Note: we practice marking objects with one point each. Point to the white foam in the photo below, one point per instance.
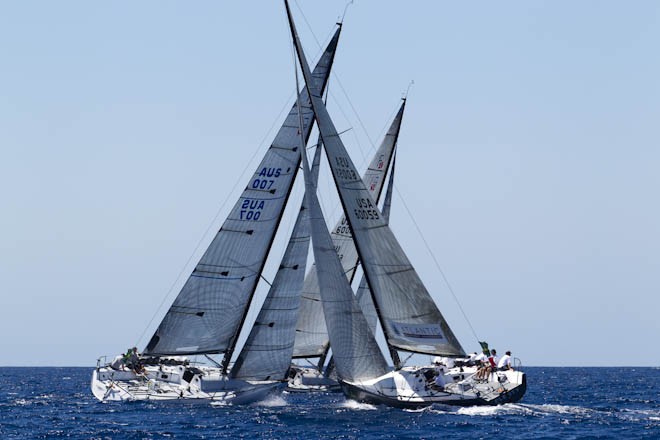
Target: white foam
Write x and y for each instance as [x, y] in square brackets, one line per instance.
[358, 406]
[548, 408]
[508, 408]
[273, 401]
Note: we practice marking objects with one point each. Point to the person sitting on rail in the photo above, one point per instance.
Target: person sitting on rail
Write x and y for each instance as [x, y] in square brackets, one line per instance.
[505, 363]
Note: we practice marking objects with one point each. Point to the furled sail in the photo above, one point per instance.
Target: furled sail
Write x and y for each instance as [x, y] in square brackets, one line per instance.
[356, 352]
[207, 314]
[267, 351]
[311, 333]
[411, 321]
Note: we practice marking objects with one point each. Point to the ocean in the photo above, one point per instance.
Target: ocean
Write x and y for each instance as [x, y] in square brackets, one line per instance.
[561, 403]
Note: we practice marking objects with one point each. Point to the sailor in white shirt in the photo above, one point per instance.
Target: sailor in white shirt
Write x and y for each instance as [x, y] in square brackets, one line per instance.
[505, 362]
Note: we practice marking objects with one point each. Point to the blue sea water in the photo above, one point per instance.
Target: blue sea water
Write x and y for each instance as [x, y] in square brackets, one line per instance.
[560, 403]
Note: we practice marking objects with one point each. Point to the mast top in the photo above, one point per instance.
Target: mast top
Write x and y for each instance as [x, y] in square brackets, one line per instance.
[405, 94]
[341, 19]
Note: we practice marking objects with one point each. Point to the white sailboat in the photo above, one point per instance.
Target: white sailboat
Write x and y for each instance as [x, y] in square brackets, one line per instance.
[209, 313]
[408, 315]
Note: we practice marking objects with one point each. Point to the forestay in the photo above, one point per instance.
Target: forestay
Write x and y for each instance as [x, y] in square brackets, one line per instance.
[410, 319]
[268, 349]
[311, 332]
[207, 314]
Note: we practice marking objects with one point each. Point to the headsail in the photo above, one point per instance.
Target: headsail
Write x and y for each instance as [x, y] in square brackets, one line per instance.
[207, 314]
[311, 332]
[267, 351]
[363, 295]
[355, 348]
[410, 319]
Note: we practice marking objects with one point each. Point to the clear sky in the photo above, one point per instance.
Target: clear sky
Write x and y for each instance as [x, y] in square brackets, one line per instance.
[529, 158]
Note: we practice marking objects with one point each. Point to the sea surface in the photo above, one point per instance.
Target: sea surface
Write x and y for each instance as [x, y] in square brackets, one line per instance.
[561, 403]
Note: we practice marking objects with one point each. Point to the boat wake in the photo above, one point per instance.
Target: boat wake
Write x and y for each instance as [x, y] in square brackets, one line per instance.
[568, 411]
[273, 401]
[357, 406]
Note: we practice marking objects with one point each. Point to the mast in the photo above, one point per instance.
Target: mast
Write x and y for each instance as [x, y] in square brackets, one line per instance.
[304, 128]
[411, 320]
[312, 335]
[267, 350]
[359, 354]
[210, 309]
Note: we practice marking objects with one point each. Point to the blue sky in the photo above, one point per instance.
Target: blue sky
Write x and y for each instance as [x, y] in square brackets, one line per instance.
[528, 157]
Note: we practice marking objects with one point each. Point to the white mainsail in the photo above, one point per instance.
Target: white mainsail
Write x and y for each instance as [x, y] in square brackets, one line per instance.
[208, 313]
[411, 321]
[311, 333]
[267, 351]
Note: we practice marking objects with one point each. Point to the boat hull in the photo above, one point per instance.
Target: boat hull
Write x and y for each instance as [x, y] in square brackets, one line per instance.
[178, 384]
[403, 390]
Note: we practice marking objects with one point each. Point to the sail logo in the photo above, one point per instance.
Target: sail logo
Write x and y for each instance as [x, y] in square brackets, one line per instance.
[424, 332]
[374, 182]
[381, 162]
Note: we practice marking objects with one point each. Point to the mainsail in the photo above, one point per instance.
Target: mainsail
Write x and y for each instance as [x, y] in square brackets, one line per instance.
[411, 321]
[207, 314]
[311, 333]
[267, 351]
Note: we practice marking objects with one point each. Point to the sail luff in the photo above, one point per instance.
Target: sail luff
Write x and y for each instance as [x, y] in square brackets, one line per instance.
[267, 351]
[411, 320]
[210, 309]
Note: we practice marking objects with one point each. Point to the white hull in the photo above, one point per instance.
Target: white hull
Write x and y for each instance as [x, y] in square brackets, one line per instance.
[178, 382]
[410, 388]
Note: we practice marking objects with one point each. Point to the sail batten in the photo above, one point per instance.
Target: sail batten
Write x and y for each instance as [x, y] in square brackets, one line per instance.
[242, 243]
[411, 321]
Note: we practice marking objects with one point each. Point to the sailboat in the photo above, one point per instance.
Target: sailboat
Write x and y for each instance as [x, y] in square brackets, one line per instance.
[210, 311]
[311, 334]
[409, 317]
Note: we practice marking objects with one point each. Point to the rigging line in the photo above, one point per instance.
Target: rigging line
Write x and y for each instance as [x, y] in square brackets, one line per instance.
[333, 73]
[407, 359]
[215, 218]
[435, 260]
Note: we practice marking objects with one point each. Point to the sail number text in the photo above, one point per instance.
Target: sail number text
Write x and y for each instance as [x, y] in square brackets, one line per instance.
[251, 208]
[263, 181]
[343, 227]
[365, 209]
[344, 169]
